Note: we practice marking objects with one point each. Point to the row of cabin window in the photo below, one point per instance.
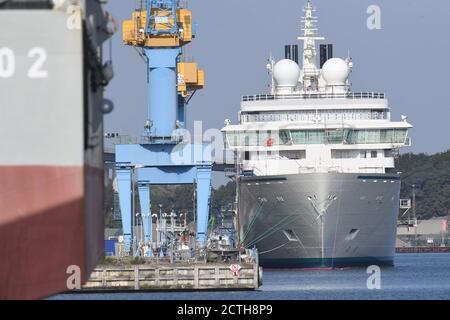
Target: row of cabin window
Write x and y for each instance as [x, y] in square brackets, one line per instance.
[335, 154]
[286, 137]
[364, 154]
[312, 115]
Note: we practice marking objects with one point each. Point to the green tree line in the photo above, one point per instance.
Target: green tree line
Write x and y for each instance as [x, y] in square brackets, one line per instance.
[430, 174]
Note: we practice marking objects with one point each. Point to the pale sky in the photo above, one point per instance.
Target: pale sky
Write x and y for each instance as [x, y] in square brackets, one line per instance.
[408, 59]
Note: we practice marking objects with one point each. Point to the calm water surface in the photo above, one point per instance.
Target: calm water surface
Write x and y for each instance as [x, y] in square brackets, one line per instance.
[415, 276]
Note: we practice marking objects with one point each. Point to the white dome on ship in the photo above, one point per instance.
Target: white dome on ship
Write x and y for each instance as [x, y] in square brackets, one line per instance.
[286, 73]
[335, 72]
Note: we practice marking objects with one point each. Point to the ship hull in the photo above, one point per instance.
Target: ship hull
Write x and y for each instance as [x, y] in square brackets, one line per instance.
[320, 220]
[51, 159]
[48, 226]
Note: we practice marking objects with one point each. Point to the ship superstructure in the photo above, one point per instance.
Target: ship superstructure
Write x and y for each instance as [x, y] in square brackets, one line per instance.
[320, 186]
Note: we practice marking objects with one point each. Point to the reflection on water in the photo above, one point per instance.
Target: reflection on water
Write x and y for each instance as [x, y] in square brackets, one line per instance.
[415, 276]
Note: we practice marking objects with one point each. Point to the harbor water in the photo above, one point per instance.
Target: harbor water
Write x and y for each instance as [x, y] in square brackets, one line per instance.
[415, 276]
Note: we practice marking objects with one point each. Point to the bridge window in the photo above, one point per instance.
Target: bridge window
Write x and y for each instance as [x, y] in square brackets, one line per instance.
[331, 136]
[232, 139]
[335, 136]
[308, 136]
[376, 136]
[285, 137]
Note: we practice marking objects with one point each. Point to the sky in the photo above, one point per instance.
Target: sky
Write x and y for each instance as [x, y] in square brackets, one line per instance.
[408, 59]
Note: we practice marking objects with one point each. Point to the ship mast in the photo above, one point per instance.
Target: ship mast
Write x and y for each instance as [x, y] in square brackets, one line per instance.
[310, 72]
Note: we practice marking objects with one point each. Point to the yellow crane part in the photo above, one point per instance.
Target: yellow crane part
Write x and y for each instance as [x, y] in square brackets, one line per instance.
[190, 78]
[133, 31]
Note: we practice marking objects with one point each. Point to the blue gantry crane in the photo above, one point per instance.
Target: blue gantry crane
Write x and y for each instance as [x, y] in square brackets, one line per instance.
[160, 28]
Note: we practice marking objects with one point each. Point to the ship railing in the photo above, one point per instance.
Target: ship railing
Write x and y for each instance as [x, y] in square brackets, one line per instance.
[129, 139]
[352, 95]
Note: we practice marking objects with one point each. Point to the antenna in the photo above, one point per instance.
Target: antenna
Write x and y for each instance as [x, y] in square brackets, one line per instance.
[310, 71]
[270, 66]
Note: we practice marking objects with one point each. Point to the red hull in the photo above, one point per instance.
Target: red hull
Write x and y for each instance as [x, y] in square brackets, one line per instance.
[50, 218]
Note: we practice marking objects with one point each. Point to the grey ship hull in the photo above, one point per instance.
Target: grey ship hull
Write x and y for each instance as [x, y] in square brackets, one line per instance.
[320, 220]
[51, 158]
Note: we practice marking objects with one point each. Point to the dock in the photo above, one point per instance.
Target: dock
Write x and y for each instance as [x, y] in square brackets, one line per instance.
[175, 277]
[422, 250]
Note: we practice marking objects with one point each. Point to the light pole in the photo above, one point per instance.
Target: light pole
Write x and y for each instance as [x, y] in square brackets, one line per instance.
[133, 210]
[414, 213]
[157, 227]
[172, 240]
[237, 179]
[164, 229]
[149, 241]
[161, 253]
[138, 234]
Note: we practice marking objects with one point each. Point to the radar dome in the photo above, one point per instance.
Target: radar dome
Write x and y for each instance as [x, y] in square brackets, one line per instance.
[335, 72]
[286, 73]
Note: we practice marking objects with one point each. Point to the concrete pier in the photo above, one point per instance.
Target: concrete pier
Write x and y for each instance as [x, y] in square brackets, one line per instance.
[422, 250]
[176, 277]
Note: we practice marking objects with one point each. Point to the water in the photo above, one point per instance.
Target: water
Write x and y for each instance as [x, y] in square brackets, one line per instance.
[415, 276]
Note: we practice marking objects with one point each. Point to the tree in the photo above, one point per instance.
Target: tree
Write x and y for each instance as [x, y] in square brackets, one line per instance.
[431, 176]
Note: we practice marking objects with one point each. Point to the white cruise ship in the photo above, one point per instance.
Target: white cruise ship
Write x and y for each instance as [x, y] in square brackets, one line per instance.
[318, 185]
